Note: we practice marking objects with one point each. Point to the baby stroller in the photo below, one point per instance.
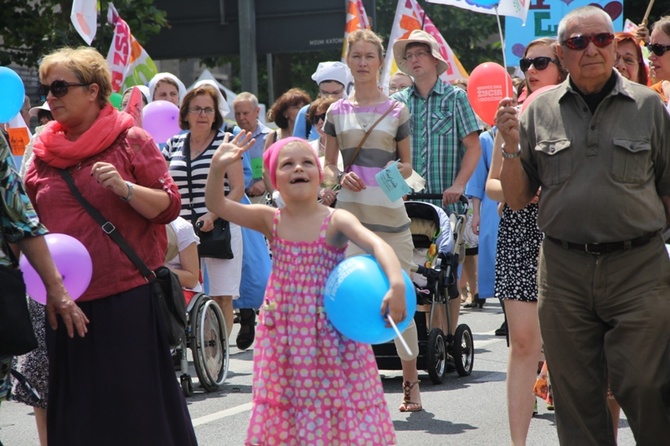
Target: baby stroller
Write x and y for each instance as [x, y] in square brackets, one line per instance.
[207, 337]
[437, 253]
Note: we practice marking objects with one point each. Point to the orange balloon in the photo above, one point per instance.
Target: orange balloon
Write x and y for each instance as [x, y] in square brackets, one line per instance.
[488, 84]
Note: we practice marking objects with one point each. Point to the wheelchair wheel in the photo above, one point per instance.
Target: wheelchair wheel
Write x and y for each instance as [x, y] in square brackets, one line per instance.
[436, 356]
[210, 351]
[463, 350]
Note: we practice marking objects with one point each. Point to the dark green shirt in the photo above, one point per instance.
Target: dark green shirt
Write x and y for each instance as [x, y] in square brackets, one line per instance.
[601, 173]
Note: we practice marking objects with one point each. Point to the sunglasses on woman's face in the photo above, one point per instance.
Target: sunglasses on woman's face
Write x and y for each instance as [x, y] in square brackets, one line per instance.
[658, 49]
[58, 88]
[582, 41]
[317, 118]
[540, 63]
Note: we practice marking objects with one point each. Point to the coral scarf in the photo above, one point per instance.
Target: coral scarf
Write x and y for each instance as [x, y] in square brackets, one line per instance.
[57, 151]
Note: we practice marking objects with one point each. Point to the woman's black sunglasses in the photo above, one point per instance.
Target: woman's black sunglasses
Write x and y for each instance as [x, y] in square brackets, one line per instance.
[658, 49]
[582, 41]
[540, 63]
[317, 118]
[57, 88]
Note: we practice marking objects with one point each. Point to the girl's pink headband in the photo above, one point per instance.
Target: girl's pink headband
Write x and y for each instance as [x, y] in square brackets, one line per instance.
[271, 156]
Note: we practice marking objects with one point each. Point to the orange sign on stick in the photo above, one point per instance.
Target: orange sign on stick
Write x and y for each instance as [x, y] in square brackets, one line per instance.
[18, 140]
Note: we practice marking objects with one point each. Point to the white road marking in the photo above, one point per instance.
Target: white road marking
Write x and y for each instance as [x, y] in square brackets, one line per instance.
[221, 414]
[246, 407]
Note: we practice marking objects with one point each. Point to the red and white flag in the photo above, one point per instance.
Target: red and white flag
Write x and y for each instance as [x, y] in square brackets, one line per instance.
[128, 61]
[408, 17]
[356, 19]
[84, 17]
[135, 105]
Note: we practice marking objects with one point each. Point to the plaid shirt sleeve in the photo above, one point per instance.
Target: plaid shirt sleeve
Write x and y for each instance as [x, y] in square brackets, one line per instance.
[467, 119]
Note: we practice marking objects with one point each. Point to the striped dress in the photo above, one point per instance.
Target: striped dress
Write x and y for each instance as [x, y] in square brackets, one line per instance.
[346, 122]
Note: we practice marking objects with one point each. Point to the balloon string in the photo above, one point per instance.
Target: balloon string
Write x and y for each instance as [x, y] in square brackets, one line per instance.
[402, 340]
[502, 42]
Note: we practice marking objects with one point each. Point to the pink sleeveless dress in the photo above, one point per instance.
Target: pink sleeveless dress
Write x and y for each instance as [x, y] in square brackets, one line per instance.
[311, 386]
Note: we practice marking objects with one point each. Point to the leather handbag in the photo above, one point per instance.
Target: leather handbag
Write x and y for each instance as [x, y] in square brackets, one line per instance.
[215, 243]
[165, 284]
[172, 303]
[17, 336]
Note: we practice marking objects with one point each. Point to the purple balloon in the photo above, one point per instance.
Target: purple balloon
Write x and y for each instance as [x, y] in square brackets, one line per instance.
[161, 120]
[72, 261]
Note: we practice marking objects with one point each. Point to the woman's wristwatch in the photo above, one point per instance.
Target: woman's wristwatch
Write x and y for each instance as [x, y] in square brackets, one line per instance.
[512, 155]
[130, 192]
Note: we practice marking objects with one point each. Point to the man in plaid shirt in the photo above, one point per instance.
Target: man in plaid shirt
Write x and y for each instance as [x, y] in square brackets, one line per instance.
[444, 129]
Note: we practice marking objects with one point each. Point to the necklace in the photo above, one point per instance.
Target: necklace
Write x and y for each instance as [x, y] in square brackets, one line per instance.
[365, 124]
[195, 152]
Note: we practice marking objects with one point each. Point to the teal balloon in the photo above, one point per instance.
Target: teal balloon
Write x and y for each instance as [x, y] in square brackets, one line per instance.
[353, 297]
[483, 3]
[12, 93]
[115, 100]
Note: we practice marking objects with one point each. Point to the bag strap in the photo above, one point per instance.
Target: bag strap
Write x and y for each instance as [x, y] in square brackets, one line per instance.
[367, 133]
[108, 227]
[186, 150]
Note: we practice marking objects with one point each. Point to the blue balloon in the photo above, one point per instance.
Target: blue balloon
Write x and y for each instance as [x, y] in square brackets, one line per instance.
[483, 3]
[353, 297]
[12, 93]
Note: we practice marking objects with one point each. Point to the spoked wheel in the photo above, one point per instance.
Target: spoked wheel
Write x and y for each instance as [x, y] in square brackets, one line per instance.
[436, 356]
[463, 350]
[211, 346]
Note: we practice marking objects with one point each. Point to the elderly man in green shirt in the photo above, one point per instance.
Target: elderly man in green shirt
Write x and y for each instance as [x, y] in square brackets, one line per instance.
[598, 144]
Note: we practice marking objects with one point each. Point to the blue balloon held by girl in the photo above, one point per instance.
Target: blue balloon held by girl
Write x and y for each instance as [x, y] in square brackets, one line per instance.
[353, 297]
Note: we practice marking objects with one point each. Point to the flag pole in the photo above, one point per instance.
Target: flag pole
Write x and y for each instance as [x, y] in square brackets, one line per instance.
[646, 14]
[502, 42]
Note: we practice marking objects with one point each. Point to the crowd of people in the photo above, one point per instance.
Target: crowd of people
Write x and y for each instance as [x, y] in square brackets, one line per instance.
[571, 192]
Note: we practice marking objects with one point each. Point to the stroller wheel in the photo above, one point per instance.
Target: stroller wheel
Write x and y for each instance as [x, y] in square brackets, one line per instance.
[463, 350]
[186, 384]
[436, 356]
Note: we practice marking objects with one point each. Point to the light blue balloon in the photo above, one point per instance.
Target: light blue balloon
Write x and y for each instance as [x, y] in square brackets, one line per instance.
[12, 93]
[483, 3]
[353, 297]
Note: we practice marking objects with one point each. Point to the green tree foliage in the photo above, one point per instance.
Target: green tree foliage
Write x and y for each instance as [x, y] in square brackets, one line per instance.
[468, 34]
[31, 29]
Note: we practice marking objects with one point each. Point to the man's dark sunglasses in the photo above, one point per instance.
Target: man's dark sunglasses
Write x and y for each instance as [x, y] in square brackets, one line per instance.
[540, 63]
[317, 118]
[658, 49]
[582, 41]
[57, 88]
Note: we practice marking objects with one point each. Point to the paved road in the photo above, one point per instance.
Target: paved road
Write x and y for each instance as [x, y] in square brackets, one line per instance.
[466, 411]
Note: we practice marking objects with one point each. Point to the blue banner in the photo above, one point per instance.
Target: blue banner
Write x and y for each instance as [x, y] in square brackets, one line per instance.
[542, 21]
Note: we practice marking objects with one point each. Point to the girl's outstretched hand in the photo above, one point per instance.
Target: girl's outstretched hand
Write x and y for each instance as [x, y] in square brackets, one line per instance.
[231, 151]
[393, 304]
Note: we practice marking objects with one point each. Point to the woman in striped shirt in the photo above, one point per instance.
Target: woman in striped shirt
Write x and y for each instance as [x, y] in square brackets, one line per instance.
[347, 121]
[199, 113]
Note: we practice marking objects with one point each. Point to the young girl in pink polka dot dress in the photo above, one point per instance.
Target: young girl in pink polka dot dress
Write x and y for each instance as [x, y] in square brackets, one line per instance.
[311, 386]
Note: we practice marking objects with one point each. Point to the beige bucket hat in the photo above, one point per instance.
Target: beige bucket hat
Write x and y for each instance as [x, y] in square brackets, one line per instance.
[418, 36]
